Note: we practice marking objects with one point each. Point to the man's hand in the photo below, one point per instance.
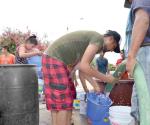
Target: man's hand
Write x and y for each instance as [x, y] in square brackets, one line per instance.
[40, 53]
[131, 61]
[100, 88]
[111, 79]
[37, 52]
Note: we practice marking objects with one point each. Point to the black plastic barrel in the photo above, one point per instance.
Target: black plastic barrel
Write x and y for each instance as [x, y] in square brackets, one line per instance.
[18, 95]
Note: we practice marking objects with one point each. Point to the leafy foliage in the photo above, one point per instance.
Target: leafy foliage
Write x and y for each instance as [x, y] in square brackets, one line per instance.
[111, 67]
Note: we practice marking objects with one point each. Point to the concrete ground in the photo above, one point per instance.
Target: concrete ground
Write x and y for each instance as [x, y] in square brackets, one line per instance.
[45, 117]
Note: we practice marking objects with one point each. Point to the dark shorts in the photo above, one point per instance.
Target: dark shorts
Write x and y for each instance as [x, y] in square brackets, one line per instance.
[59, 88]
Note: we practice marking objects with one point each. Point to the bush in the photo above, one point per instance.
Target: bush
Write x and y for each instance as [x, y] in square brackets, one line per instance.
[111, 67]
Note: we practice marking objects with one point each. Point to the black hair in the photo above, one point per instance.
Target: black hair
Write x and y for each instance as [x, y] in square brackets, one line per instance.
[6, 47]
[32, 39]
[115, 35]
[127, 4]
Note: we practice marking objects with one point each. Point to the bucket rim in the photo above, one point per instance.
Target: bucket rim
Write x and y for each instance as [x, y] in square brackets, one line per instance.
[120, 106]
[115, 120]
[93, 93]
[108, 105]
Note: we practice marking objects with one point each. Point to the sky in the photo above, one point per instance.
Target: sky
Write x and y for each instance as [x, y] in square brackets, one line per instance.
[51, 19]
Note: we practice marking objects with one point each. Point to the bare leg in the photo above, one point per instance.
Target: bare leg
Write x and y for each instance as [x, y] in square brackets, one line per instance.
[54, 117]
[64, 117]
[69, 117]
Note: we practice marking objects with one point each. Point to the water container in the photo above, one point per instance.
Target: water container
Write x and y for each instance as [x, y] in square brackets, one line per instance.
[103, 122]
[76, 104]
[83, 107]
[98, 108]
[121, 96]
[18, 95]
[120, 115]
[36, 60]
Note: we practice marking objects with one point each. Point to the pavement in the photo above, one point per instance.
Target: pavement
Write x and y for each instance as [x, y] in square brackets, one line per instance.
[45, 117]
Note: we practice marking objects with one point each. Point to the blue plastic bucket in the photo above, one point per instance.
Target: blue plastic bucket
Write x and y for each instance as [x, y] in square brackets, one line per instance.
[98, 108]
[37, 60]
[104, 122]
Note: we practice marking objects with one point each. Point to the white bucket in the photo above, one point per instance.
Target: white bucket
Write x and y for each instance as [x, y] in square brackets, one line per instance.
[120, 115]
[83, 107]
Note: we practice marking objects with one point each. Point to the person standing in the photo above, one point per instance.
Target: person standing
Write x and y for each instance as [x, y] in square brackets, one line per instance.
[60, 59]
[6, 57]
[27, 50]
[102, 66]
[102, 63]
[140, 45]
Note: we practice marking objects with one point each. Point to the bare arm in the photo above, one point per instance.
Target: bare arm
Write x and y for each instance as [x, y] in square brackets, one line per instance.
[96, 65]
[85, 67]
[83, 81]
[107, 68]
[139, 31]
[140, 28]
[92, 82]
[24, 54]
[13, 59]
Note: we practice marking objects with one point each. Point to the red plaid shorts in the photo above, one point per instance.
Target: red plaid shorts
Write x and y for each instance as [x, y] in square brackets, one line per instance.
[59, 88]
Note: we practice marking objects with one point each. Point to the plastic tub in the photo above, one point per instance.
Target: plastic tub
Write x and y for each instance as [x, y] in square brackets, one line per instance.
[98, 108]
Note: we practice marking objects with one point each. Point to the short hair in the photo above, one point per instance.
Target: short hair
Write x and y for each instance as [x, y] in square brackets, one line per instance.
[114, 34]
[32, 39]
[5, 47]
[116, 37]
